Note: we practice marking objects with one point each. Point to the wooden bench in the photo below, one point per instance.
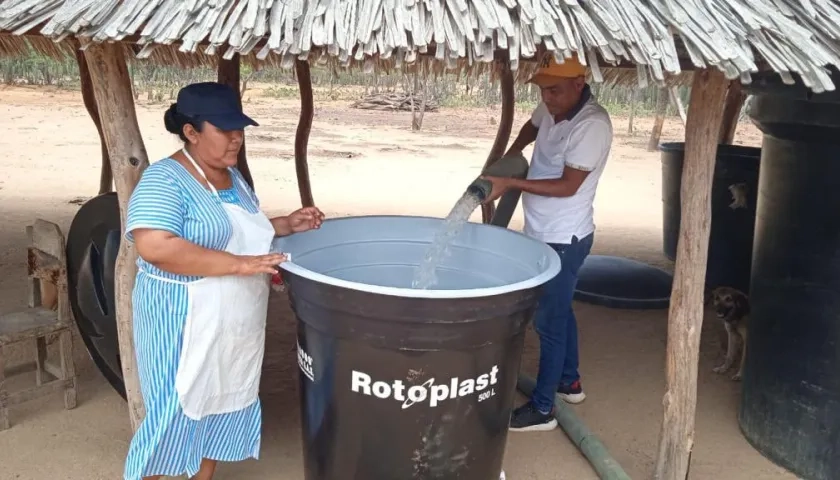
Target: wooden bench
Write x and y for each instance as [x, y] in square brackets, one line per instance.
[45, 317]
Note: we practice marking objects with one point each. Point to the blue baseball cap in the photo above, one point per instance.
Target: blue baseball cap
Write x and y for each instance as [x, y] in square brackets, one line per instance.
[215, 103]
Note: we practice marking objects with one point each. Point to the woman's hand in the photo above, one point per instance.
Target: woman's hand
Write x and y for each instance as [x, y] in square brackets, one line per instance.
[306, 218]
[256, 264]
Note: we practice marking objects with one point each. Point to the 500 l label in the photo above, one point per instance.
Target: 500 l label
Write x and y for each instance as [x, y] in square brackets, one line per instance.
[430, 391]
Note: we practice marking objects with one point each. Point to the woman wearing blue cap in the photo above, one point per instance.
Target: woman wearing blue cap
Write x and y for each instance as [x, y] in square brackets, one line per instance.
[201, 293]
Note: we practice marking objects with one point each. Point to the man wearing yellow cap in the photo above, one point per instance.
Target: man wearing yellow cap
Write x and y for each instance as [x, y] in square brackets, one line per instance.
[572, 136]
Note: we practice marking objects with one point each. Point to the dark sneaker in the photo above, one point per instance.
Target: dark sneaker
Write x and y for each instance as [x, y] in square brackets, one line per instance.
[528, 419]
[571, 393]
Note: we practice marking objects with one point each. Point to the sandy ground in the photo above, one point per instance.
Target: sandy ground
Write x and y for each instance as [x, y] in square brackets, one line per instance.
[362, 162]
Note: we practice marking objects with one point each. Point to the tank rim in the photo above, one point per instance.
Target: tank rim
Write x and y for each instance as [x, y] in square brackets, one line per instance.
[550, 271]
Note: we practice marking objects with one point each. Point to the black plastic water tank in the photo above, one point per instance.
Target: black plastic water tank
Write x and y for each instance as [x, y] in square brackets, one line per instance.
[407, 383]
[734, 191]
[790, 406]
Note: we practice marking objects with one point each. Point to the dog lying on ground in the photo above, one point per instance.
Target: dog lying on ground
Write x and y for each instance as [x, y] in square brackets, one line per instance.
[733, 308]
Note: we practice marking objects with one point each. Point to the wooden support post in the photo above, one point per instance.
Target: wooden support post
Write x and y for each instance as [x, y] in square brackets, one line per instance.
[685, 316]
[417, 112]
[106, 177]
[307, 111]
[228, 74]
[735, 98]
[505, 125]
[659, 120]
[112, 88]
[675, 99]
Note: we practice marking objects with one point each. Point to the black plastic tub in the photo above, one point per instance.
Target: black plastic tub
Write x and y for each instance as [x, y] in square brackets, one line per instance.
[93, 242]
[790, 406]
[402, 383]
[734, 193]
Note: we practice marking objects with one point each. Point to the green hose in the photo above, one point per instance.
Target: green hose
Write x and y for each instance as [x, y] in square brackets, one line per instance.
[602, 462]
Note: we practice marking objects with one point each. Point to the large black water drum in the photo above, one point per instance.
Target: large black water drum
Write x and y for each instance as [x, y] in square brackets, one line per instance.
[790, 407]
[731, 237]
[407, 383]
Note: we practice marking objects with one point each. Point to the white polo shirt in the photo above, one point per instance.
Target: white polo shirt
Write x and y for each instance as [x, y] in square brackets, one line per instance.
[582, 142]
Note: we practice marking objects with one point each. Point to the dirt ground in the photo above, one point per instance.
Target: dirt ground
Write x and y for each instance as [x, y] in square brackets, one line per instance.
[363, 162]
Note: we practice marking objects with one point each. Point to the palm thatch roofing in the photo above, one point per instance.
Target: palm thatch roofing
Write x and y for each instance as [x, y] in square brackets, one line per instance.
[659, 36]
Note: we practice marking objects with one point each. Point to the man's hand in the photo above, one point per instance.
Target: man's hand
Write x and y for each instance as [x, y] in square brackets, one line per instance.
[500, 186]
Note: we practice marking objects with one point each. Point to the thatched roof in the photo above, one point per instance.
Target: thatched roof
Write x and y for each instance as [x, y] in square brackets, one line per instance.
[800, 36]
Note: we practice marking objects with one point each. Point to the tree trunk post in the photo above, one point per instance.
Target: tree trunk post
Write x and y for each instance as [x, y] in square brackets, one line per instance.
[112, 88]
[505, 126]
[307, 111]
[228, 74]
[675, 99]
[106, 176]
[418, 111]
[659, 119]
[685, 315]
[735, 98]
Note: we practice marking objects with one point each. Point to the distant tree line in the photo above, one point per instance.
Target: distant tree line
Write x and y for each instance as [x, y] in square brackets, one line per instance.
[160, 84]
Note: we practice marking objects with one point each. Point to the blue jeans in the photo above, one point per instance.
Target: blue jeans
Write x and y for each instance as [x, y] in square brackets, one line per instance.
[556, 325]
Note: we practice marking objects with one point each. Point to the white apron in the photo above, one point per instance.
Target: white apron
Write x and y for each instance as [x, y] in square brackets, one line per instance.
[224, 334]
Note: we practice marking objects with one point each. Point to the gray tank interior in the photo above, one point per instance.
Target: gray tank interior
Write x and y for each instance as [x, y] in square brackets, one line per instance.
[385, 251]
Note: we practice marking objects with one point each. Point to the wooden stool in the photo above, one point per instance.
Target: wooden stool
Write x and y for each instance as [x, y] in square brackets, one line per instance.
[46, 265]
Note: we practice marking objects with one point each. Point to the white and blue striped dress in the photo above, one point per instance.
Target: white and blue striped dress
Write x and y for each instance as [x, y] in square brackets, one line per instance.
[167, 442]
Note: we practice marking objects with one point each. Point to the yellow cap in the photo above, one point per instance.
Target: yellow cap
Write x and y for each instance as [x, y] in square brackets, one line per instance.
[550, 71]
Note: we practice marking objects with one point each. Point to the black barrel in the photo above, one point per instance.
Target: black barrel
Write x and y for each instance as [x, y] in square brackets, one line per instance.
[790, 407]
[398, 383]
[734, 192]
[376, 410]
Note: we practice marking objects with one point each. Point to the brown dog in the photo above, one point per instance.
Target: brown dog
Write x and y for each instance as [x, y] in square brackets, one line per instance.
[733, 308]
